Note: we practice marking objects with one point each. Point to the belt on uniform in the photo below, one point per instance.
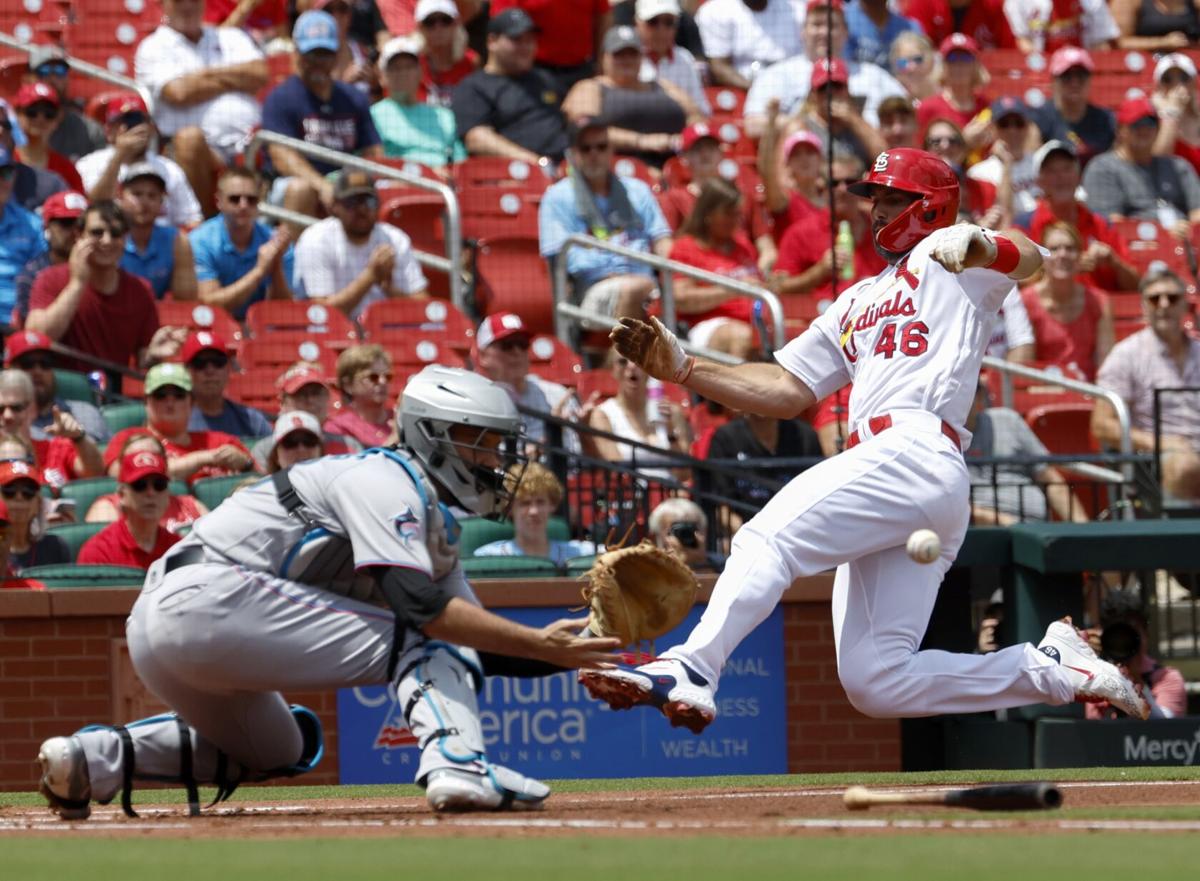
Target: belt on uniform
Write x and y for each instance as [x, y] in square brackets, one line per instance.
[883, 423]
[186, 557]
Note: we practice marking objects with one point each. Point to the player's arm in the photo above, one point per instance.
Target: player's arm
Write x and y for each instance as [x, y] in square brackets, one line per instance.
[966, 246]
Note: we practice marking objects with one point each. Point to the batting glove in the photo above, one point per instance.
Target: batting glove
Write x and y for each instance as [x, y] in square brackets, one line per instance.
[955, 243]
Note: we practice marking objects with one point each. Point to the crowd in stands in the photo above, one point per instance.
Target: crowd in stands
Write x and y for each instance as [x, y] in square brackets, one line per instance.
[694, 130]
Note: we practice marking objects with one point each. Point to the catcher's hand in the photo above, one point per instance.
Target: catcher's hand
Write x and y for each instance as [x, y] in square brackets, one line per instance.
[653, 348]
[962, 242]
[638, 593]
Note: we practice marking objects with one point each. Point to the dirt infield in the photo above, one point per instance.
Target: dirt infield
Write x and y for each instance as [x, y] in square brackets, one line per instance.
[735, 812]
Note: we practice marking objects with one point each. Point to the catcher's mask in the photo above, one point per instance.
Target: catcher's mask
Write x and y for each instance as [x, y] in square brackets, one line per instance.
[466, 432]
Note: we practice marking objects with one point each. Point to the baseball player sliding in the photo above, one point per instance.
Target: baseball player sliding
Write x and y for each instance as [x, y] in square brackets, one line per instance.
[341, 572]
[911, 340]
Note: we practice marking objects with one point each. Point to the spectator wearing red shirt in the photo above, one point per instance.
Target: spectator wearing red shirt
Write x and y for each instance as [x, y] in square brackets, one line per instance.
[1072, 322]
[805, 260]
[363, 375]
[710, 239]
[961, 98]
[1105, 260]
[182, 510]
[977, 198]
[191, 455]
[40, 111]
[983, 21]
[67, 453]
[701, 160]
[446, 59]
[264, 19]
[91, 304]
[569, 35]
[137, 538]
[792, 176]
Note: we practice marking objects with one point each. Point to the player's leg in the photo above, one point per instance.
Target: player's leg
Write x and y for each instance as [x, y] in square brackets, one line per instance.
[437, 686]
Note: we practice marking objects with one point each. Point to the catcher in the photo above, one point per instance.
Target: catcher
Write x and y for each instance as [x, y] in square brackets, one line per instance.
[338, 572]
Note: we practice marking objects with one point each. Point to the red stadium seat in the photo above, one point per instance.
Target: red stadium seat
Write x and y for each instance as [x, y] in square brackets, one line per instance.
[1063, 428]
[1148, 243]
[631, 166]
[490, 171]
[256, 388]
[489, 212]
[198, 316]
[726, 103]
[282, 350]
[270, 317]
[412, 351]
[551, 359]
[513, 277]
[435, 319]
[598, 379]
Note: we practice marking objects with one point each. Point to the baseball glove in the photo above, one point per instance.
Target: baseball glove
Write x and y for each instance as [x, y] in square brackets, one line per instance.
[638, 593]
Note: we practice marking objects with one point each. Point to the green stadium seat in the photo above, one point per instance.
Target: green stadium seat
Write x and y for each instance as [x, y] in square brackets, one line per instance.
[73, 386]
[86, 491]
[578, 565]
[213, 490]
[479, 531]
[75, 534]
[74, 575]
[179, 488]
[122, 416]
[509, 567]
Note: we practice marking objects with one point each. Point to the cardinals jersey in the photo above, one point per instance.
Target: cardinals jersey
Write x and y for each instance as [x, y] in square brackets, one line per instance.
[911, 338]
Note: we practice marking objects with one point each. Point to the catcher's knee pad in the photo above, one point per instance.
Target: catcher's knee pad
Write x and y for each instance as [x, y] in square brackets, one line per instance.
[437, 689]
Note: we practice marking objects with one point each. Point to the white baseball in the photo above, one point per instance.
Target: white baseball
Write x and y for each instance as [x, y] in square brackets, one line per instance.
[924, 546]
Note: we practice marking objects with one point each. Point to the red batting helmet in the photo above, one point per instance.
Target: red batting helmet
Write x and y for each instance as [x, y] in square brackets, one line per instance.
[923, 174]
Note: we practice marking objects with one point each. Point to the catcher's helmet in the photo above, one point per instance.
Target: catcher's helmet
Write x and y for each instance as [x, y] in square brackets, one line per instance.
[923, 174]
[435, 401]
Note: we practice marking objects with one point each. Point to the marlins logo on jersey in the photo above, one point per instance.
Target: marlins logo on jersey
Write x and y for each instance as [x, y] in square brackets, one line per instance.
[408, 525]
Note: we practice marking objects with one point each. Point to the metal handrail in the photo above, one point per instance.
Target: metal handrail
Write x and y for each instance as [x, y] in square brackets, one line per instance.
[87, 69]
[666, 286]
[458, 294]
[1088, 390]
[286, 215]
[580, 314]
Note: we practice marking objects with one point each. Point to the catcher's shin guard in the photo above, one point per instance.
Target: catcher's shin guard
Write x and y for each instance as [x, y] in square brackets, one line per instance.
[437, 689]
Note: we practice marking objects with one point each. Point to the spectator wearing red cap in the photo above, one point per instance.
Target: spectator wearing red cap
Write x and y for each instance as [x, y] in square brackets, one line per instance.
[1046, 26]
[28, 542]
[31, 352]
[182, 510]
[1175, 99]
[702, 159]
[364, 373]
[206, 356]
[789, 80]
[297, 438]
[793, 174]
[67, 453]
[805, 264]
[962, 97]
[657, 23]
[1156, 25]
[203, 81]
[91, 304]
[137, 538]
[981, 20]
[742, 37]
[501, 353]
[304, 387]
[1070, 116]
[1009, 168]
[1129, 182]
[830, 111]
[31, 186]
[191, 455]
[60, 220]
[40, 111]
[130, 132]
[155, 251]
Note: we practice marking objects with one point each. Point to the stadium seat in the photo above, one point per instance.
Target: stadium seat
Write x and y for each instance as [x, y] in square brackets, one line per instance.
[412, 351]
[498, 211]
[126, 415]
[631, 166]
[1063, 428]
[509, 567]
[598, 379]
[198, 316]
[256, 388]
[68, 575]
[211, 491]
[74, 535]
[73, 386]
[268, 318]
[86, 491]
[498, 171]
[434, 318]
[479, 531]
[282, 350]
[511, 276]
[1149, 243]
[726, 103]
[552, 359]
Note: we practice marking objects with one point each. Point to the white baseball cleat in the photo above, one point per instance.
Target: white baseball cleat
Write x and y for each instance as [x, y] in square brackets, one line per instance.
[65, 781]
[1094, 680]
[494, 788]
[682, 695]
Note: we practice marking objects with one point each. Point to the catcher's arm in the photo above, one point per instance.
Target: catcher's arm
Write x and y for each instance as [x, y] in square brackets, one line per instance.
[765, 389]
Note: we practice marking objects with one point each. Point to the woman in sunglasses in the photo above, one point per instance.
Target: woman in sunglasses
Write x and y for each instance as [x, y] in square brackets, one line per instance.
[137, 538]
[364, 375]
[916, 64]
[977, 204]
[297, 438]
[39, 112]
[182, 510]
[28, 542]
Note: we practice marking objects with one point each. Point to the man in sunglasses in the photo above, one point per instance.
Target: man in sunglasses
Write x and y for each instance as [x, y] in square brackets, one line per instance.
[39, 110]
[657, 23]
[32, 352]
[77, 134]
[240, 260]
[31, 185]
[1010, 116]
[137, 537]
[352, 260]
[1163, 355]
[790, 80]
[303, 387]
[64, 452]
[206, 357]
[20, 236]
[130, 135]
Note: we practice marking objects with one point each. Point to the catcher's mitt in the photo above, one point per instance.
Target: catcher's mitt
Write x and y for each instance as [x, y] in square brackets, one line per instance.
[638, 593]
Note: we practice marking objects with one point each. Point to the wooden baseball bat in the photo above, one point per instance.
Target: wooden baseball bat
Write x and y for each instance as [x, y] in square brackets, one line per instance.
[1003, 797]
